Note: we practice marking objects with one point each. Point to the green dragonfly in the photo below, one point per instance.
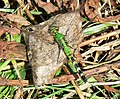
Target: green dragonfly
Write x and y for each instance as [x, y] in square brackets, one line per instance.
[62, 43]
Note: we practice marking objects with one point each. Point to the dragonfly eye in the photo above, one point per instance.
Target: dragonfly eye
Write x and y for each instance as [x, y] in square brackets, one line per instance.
[53, 30]
[56, 28]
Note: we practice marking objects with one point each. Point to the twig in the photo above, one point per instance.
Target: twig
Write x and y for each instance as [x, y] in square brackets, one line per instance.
[27, 11]
[106, 83]
[99, 38]
[15, 66]
[104, 47]
[101, 69]
[74, 84]
[6, 82]
[20, 89]
[103, 63]
[18, 94]
[110, 89]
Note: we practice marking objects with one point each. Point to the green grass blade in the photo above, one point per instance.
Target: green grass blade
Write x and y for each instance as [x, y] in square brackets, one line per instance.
[4, 64]
[56, 92]
[16, 37]
[13, 10]
[97, 28]
[8, 36]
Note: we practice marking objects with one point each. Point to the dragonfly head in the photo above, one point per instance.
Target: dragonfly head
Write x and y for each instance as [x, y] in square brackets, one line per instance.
[53, 30]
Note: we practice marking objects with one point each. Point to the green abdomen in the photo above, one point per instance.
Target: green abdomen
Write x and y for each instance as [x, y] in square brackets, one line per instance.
[66, 49]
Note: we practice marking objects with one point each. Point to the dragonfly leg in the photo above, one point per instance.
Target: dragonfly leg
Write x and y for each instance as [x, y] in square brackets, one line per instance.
[58, 53]
[66, 32]
[70, 47]
[52, 42]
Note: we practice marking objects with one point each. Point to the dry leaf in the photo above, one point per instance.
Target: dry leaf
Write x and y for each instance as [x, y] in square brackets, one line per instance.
[7, 82]
[18, 19]
[47, 6]
[71, 4]
[12, 50]
[12, 30]
[2, 30]
[64, 79]
[15, 18]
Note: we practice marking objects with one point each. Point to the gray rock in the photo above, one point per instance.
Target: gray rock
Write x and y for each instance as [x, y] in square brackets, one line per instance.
[43, 52]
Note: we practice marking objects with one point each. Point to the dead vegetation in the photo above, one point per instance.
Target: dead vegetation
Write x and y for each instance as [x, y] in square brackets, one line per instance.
[98, 48]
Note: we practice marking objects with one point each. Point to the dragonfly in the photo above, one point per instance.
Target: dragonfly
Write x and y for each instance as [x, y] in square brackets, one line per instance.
[63, 44]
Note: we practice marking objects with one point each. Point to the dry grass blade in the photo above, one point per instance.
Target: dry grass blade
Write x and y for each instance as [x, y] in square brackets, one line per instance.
[27, 11]
[98, 54]
[100, 38]
[79, 92]
[106, 86]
